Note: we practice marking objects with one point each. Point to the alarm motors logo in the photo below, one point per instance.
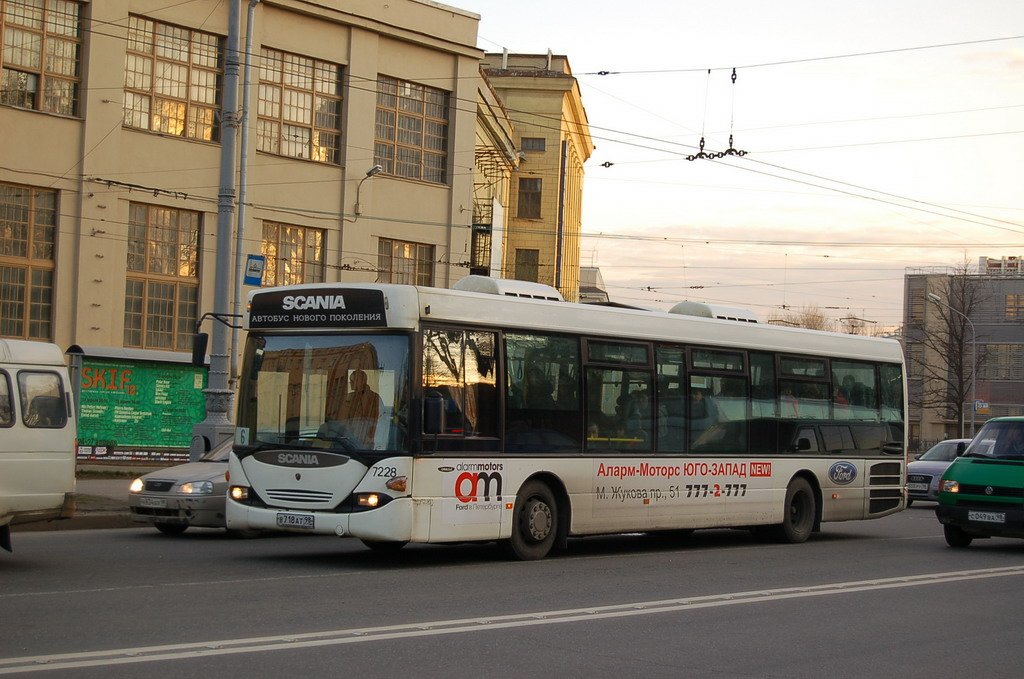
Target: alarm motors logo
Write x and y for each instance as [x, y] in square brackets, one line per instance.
[478, 480]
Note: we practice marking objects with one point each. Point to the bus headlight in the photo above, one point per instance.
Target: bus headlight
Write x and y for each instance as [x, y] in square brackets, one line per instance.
[369, 500]
[238, 493]
[137, 486]
[197, 488]
[949, 486]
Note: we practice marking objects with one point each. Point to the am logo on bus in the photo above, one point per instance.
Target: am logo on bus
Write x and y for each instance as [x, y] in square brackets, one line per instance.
[468, 486]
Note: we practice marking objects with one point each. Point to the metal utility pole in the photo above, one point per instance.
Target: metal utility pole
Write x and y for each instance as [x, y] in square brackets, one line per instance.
[217, 425]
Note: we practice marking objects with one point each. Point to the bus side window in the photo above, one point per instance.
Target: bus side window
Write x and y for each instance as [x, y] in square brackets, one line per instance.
[542, 397]
[459, 365]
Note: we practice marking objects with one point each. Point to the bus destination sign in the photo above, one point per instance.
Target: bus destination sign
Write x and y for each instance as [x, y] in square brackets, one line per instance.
[318, 308]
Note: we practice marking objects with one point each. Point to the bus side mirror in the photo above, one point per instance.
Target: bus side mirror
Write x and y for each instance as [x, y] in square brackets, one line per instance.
[433, 415]
[199, 343]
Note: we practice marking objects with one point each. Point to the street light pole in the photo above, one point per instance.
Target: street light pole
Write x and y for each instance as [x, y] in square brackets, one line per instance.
[974, 360]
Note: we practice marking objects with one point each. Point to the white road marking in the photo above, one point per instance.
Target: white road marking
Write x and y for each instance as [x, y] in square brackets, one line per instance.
[458, 626]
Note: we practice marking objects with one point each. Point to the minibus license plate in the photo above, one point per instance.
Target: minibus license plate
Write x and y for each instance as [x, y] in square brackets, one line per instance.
[295, 521]
[987, 517]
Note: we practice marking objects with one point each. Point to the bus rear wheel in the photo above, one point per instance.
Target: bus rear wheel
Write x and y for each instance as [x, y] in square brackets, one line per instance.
[800, 512]
[534, 522]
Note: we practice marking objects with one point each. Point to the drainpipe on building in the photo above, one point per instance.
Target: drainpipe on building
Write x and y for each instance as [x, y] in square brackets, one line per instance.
[217, 425]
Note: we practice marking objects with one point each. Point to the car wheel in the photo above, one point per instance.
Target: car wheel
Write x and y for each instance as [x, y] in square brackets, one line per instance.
[172, 528]
[247, 534]
[956, 537]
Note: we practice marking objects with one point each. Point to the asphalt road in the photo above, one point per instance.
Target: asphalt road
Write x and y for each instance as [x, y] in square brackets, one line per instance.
[878, 598]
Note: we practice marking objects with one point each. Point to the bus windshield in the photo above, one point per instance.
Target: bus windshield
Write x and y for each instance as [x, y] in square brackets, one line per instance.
[334, 392]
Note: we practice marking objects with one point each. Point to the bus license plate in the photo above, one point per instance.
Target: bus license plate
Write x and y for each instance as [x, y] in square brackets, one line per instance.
[295, 521]
[987, 517]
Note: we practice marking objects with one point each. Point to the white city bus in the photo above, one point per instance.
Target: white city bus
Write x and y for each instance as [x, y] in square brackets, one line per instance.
[400, 414]
[37, 436]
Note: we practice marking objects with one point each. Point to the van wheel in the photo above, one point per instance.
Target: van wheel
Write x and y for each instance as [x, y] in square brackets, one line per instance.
[800, 512]
[956, 537]
[385, 545]
[172, 528]
[534, 522]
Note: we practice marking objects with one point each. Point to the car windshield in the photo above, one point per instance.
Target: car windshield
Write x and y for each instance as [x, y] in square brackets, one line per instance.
[218, 454]
[941, 452]
[1004, 440]
[334, 392]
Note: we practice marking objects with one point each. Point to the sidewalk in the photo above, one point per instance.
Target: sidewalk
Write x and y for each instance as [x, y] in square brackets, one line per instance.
[102, 502]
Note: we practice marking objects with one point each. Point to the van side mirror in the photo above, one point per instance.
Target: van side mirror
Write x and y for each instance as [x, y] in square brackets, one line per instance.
[199, 344]
[803, 444]
[433, 415]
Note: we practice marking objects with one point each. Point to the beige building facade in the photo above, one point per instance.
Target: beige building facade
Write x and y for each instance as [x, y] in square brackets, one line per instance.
[110, 163]
[542, 98]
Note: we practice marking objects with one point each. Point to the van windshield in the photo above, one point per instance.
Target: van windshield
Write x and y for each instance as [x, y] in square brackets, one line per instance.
[1003, 440]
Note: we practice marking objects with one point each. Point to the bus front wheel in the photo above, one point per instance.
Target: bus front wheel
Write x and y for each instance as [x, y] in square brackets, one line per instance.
[385, 545]
[799, 513]
[534, 522]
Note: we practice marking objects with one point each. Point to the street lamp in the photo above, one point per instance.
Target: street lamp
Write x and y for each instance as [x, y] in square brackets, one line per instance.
[974, 360]
[376, 169]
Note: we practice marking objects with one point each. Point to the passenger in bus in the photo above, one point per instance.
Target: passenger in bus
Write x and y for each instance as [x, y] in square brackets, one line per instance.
[538, 390]
[703, 412]
[359, 410]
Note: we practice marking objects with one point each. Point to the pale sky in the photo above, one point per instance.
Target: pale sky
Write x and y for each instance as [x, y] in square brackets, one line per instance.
[922, 140]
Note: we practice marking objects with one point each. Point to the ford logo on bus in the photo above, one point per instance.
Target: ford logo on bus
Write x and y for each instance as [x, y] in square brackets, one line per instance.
[842, 473]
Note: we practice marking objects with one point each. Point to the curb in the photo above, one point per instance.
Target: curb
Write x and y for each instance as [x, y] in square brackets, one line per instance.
[85, 521]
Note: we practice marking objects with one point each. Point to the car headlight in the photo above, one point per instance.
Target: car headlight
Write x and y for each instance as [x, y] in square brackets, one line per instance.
[949, 486]
[197, 488]
[137, 486]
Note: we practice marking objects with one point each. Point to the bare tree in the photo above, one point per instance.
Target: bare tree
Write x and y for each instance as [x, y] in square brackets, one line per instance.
[810, 317]
[943, 360]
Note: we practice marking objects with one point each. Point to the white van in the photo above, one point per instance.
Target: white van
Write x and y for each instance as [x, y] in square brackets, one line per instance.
[37, 436]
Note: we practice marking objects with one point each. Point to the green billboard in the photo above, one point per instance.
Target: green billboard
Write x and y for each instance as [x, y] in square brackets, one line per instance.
[139, 405]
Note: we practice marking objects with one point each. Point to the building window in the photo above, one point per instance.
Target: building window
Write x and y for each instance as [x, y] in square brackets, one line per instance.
[28, 232]
[533, 144]
[172, 80]
[481, 246]
[40, 56]
[527, 265]
[1015, 306]
[295, 254]
[162, 290]
[406, 263]
[299, 107]
[529, 198]
[411, 130]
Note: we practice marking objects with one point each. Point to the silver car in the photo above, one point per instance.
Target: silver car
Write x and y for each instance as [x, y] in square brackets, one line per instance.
[924, 472]
[190, 494]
